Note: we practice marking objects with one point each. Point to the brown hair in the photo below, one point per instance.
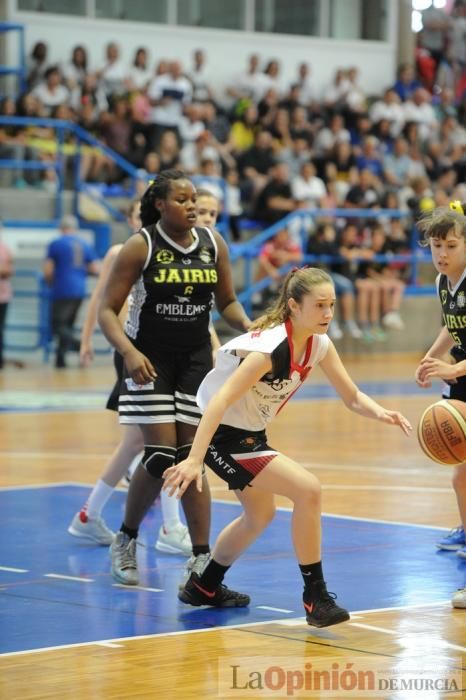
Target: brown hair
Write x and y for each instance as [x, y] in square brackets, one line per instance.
[296, 285]
[439, 222]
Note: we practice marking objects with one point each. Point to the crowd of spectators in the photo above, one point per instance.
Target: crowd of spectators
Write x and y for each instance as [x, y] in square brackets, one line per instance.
[278, 146]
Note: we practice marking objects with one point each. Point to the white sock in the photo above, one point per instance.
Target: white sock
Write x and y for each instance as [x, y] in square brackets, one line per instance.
[98, 498]
[170, 510]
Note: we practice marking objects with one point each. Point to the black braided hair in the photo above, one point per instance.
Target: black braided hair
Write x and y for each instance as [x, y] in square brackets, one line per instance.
[158, 189]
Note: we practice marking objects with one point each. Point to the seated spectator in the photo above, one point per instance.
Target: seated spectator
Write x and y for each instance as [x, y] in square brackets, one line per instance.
[169, 150]
[300, 126]
[89, 93]
[327, 137]
[274, 254]
[370, 158]
[233, 205]
[75, 71]
[341, 168]
[389, 107]
[193, 153]
[324, 243]
[250, 85]
[255, 163]
[243, 130]
[364, 194]
[398, 166]
[368, 291]
[406, 83]
[418, 108]
[51, 92]
[387, 276]
[307, 188]
[275, 200]
[295, 155]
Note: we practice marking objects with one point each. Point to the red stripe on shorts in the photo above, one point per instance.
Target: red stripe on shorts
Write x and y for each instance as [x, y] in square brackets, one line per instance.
[255, 465]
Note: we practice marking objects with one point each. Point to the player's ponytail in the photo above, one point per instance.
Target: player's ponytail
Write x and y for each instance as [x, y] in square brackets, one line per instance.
[297, 283]
[158, 189]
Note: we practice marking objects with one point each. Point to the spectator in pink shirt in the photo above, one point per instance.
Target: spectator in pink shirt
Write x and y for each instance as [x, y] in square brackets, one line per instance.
[6, 271]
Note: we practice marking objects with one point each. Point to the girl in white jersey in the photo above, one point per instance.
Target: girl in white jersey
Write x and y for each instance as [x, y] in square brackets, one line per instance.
[254, 377]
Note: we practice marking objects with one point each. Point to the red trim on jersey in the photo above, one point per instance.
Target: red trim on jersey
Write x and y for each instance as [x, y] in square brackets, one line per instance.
[302, 370]
[254, 465]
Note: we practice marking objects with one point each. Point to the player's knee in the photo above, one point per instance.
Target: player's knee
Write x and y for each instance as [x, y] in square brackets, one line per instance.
[157, 458]
[309, 491]
[258, 519]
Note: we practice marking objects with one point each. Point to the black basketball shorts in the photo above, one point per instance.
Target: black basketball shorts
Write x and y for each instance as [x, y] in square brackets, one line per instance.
[237, 456]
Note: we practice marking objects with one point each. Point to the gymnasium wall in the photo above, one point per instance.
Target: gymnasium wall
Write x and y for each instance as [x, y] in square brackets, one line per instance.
[226, 51]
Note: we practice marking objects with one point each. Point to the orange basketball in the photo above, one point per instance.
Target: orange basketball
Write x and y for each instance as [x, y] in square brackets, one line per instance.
[442, 431]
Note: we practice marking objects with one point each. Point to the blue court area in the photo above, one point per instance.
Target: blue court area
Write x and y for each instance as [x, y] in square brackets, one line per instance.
[368, 564]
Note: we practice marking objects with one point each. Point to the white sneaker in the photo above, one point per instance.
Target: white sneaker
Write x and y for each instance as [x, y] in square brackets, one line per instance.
[196, 564]
[334, 331]
[175, 541]
[459, 598]
[393, 321]
[92, 529]
[352, 329]
[123, 556]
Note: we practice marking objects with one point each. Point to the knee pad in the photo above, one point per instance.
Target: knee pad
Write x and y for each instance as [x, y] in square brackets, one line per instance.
[157, 458]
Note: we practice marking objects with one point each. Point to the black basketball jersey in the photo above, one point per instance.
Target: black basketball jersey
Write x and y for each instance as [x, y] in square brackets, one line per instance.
[170, 304]
[453, 301]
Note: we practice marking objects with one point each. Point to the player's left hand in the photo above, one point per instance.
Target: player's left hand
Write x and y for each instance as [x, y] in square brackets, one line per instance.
[433, 367]
[181, 475]
[396, 418]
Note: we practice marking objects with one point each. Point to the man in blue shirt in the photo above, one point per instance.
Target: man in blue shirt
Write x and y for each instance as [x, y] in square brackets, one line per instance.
[69, 260]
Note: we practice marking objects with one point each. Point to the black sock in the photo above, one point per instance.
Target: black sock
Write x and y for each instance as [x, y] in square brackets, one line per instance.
[133, 534]
[311, 573]
[200, 549]
[213, 574]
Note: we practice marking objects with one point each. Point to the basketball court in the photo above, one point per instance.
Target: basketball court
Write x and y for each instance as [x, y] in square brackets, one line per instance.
[67, 628]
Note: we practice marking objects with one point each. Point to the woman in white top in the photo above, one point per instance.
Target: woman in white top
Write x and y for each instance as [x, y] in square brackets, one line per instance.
[255, 375]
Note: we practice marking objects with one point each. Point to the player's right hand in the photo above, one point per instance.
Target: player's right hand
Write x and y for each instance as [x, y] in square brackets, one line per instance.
[140, 368]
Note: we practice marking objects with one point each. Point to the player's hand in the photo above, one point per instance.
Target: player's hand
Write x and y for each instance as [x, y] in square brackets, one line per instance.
[86, 354]
[419, 376]
[140, 368]
[396, 418]
[433, 367]
[181, 475]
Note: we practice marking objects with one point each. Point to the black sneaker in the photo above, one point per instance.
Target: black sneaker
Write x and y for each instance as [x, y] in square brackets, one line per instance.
[194, 594]
[321, 610]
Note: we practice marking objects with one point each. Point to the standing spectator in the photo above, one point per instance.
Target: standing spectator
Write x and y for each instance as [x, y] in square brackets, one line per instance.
[433, 38]
[37, 64]
[112, 75]
[69, 260]
[168, 94]
[76, 69]
[6, 271]
[202, 92]
[139, 75]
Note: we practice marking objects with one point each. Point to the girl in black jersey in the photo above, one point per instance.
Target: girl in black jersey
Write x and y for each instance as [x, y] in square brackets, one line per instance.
[444, 230]
[175, 271]
[254, 376]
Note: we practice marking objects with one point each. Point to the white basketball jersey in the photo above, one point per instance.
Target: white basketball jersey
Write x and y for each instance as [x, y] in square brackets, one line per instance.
[268, 396]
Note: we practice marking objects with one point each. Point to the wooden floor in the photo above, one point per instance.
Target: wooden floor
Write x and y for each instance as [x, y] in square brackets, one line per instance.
[367, 471]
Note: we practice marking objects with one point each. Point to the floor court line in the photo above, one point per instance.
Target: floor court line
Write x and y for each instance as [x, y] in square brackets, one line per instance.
[285, 622]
